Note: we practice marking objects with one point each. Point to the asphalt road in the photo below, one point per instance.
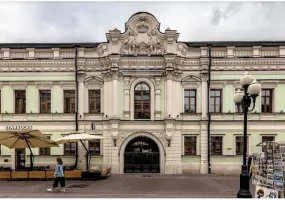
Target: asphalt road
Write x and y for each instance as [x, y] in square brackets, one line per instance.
[130, 186]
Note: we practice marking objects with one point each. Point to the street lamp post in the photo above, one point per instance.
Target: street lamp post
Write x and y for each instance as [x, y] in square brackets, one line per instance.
[251, 91]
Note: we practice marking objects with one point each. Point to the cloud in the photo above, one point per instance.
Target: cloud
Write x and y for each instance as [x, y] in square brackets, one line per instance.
[89, 21]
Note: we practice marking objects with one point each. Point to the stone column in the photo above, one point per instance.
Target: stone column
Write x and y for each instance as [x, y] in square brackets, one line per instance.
[115, 99]
[157, 98]
[81, 156]
[110, 97]
[105, 95]
[204, 131]
[127, 98]
[169, 84]
[81, 99]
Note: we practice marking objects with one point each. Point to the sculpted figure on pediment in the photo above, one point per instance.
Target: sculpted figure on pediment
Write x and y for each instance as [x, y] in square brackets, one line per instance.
[142, 40]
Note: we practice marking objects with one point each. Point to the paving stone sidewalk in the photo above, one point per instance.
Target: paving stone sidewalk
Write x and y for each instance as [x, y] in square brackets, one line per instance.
[130, 186]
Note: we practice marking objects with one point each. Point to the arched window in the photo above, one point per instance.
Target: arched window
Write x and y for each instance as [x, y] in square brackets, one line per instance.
[142, 101]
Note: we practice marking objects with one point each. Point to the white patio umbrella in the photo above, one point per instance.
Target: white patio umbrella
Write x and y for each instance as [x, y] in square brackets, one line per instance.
[79, 137]
[26, 139]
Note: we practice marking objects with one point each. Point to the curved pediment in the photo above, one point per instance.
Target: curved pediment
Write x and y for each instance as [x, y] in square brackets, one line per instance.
[142, 37]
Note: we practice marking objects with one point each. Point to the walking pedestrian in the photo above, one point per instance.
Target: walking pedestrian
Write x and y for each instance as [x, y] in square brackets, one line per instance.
[59, 176]
[249, 160]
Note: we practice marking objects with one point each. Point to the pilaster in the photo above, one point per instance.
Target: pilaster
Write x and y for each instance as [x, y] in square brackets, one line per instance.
[157, 98]
[230, 51]
[127, 97]
[6, 53]
[282, 51]
[31, 53]
[256, 51]
[55, 53]
[204, 148]
[81, 100]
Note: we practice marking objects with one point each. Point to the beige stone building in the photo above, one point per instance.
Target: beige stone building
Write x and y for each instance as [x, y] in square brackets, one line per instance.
[147, 93]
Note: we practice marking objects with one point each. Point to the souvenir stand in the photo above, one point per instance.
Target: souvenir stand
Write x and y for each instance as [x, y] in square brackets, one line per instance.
[268, 170]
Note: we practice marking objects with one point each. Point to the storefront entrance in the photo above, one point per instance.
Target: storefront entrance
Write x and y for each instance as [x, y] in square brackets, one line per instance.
[142, 156]
[20, 158]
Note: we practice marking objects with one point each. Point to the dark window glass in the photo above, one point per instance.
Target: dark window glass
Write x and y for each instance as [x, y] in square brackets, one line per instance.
[94, 101]
[266, 101]
[45, 150]
[142, 101]
[190, 101]
[20, 101]
[190, 145]
[45, 101]
[216, 145]
[239, 145]
[215, 101]
[94, 147]
[69, 101]
[69, 148]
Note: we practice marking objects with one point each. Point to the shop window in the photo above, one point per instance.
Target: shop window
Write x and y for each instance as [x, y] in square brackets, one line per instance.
[216, 145]
[20, 101]
[69, 148]
[69, 101]
[94, 101]
[45, 101]
[94, 147]
[239, 145]
[190, 143]
[190, 101]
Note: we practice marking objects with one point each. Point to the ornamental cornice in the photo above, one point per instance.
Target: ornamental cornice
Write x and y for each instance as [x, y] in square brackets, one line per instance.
[42, 66]
[252, 64]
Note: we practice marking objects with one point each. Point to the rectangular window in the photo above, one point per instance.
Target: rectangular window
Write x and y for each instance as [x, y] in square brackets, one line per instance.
[94, 147]
[20, 101]
[266, 101]
[0, 150]
[215, 101]
[69, 148]
[216, 145]
[267, 139]
[45, 101]
[239, 145]
[190, 101]
[94, 101]
[69, 101]
[44, 151]
[0, 101]
[190, 143]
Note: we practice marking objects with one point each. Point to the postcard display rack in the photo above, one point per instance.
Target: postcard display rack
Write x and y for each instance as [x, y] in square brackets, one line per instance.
[268, 170]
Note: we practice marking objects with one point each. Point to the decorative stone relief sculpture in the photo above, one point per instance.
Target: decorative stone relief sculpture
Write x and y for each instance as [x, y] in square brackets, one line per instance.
[102, 48]
[142, 40]
[183, 48]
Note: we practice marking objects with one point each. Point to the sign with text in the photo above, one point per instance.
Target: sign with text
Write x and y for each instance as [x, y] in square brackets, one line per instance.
[19, 127]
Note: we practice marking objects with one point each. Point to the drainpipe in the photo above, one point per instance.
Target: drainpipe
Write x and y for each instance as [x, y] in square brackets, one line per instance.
[209, 114]
[76, 102]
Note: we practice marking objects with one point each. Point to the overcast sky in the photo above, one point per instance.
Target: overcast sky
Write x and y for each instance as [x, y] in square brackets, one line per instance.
[89, 21]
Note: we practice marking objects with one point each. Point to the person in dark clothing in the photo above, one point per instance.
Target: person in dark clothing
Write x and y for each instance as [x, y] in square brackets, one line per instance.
[59, 176]
[249, 161]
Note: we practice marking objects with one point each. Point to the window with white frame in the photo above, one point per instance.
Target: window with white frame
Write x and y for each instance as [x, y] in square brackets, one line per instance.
[216, 145]
[190, 145]
[239, 145]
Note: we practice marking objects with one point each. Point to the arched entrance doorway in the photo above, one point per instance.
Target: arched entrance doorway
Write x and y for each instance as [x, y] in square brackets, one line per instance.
[142, 156]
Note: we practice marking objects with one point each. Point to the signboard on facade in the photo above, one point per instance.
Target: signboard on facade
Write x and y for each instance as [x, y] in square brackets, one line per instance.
[19, 127]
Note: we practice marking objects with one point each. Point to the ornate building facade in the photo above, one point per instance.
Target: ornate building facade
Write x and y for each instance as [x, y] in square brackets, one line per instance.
[148, 94]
